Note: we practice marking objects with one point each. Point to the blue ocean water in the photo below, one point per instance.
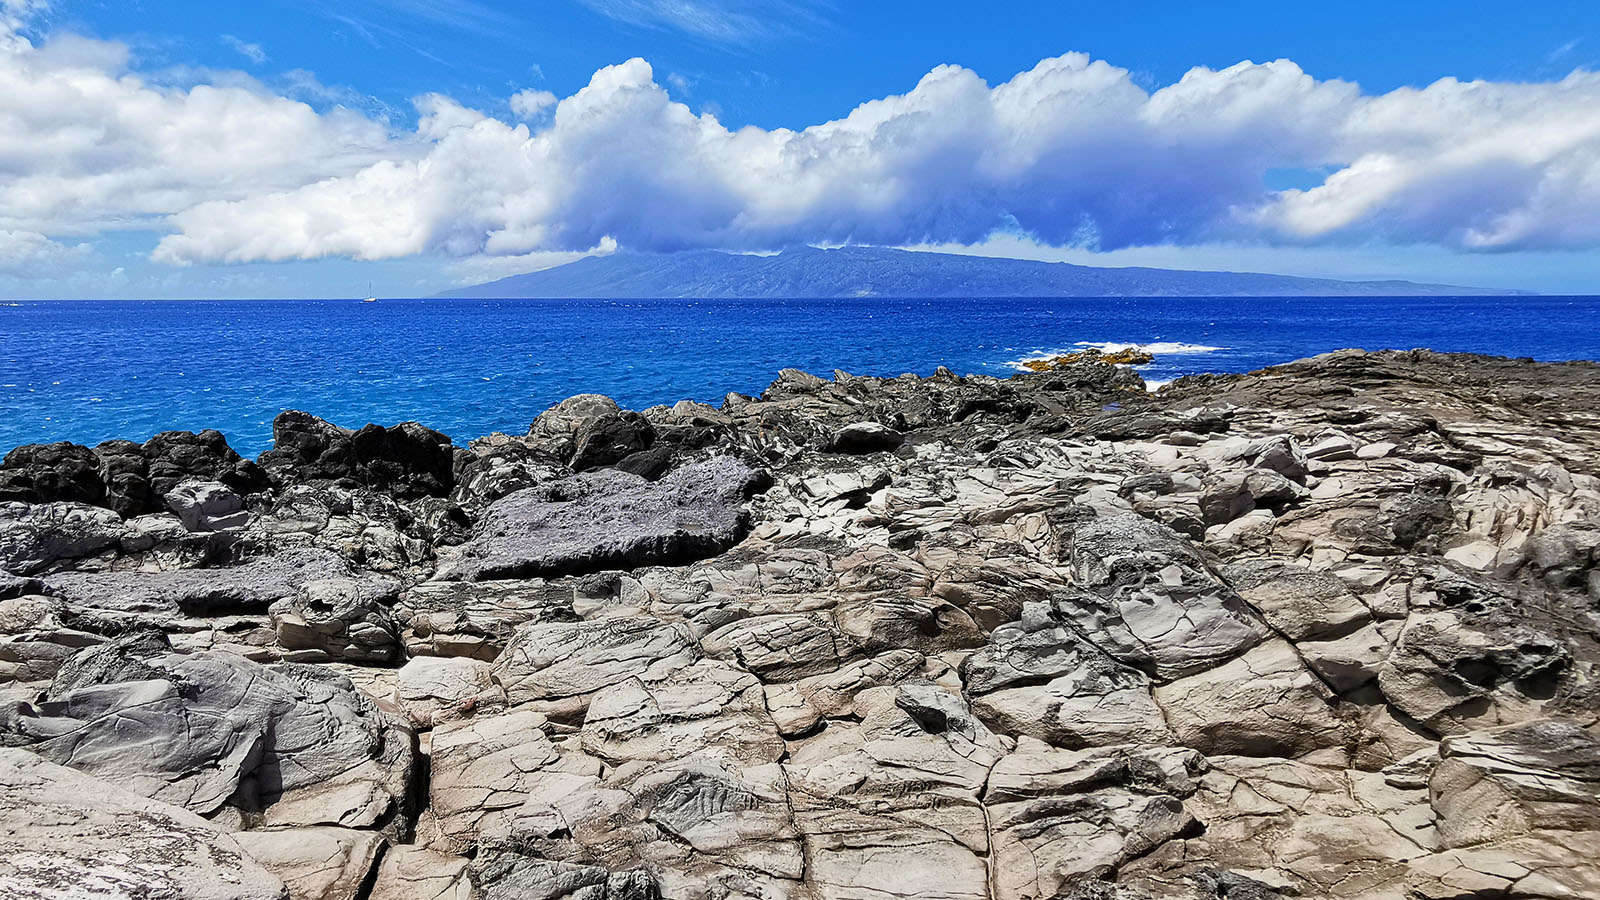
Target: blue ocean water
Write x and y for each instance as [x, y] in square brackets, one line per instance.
[86, 371]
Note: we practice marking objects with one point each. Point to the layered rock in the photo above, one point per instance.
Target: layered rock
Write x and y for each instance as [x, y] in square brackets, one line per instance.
[1325, 630]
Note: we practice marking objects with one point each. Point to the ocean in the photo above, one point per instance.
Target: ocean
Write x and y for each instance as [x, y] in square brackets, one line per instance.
[87, 371]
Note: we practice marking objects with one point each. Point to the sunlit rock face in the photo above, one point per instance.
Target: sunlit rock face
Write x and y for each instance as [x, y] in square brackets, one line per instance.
[1326, 630]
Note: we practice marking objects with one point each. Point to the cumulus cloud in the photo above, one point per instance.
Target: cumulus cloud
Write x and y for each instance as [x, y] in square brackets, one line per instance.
[1073, 152]
[530, 104]
[28, 254]
[88, 145]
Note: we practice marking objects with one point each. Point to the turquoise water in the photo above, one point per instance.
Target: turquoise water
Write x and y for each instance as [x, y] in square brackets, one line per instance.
[86, 371]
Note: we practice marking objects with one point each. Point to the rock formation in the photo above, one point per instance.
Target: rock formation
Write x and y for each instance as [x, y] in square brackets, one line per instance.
[1326, 630]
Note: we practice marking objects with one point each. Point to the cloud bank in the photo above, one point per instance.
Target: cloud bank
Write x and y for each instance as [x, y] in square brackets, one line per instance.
[1071, 153]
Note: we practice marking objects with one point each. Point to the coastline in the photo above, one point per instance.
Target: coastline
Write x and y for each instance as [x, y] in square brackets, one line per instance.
[88, 372]
[1279, 633]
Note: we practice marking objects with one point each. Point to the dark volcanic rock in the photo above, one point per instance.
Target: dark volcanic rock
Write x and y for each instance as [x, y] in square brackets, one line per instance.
[610, 439]
[124, 476]
[16, 586]
[177, 456]
[126, 473]
[611, 519]
[647, 464]
[406, 460]
[41, 473]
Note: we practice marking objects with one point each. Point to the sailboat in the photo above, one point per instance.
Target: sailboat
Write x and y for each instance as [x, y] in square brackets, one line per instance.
[370, 297]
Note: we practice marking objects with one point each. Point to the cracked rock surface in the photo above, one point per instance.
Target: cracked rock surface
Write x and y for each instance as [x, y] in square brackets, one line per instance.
[1326, 630]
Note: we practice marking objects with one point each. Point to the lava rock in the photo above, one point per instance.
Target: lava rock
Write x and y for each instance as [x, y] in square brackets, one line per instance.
[866, 437]
[44, 473]
[610, 438]
[610, 519]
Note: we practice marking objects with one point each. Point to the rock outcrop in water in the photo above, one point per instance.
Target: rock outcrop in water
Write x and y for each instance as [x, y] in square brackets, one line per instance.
[1327, 630]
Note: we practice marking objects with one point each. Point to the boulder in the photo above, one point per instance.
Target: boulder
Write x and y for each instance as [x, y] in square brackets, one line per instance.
[610, 519]
[337, 619]
[866, 437]
[174, 457]
[46, 473]
[406, 460]
[557, 428]
[34, 537]
[126, 473]
[609, 439]
[207, 506]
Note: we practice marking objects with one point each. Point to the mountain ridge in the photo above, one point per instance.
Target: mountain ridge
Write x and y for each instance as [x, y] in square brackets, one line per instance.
[809, 272]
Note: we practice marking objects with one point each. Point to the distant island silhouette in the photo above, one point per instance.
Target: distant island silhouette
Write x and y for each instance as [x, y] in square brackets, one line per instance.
[884, 272]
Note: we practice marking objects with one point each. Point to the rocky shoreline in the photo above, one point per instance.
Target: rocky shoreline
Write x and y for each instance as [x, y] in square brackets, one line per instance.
[1325, 630]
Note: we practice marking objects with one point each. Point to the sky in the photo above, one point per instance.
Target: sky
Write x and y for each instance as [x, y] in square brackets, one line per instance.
[291, 148]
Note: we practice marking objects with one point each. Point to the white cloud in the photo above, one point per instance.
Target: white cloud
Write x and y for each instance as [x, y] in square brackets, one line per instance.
[252, 52]
[87, 145]
[530, 104]
[28, 254]
[479, 269]
[1073, 152]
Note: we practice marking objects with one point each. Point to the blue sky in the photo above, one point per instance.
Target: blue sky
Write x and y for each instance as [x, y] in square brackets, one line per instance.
[445, 141]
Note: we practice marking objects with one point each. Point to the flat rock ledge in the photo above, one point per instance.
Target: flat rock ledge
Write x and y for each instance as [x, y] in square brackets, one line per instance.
[1326, 630]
